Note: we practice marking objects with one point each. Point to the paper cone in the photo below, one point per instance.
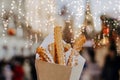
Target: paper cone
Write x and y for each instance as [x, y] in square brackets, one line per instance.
[49, 71]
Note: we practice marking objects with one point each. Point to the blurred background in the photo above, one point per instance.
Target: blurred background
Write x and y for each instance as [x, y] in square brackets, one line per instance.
[25, 23]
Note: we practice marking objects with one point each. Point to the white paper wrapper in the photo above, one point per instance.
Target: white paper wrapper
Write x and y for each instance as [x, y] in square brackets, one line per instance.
[50, 39]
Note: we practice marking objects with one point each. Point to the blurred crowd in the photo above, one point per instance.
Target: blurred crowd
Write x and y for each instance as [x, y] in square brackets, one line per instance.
[110, 70]
[18, 68]
[22, 67]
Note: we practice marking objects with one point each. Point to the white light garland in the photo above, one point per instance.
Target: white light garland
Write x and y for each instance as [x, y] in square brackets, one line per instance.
[5, 23]
[42, 16]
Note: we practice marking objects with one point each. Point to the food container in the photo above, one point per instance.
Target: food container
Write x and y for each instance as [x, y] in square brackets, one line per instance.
[50, 71]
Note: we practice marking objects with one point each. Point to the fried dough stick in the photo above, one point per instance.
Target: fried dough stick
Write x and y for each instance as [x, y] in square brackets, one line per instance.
[59, 45]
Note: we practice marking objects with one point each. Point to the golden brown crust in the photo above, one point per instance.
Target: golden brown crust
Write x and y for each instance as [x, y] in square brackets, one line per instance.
[59, 45]
[77, 46]
[42, 54]
[79, 42]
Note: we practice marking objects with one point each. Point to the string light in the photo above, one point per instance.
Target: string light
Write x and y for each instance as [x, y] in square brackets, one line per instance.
[44, 15]
[44, 22]
[77, 11]
[12, 6]
[5, 23]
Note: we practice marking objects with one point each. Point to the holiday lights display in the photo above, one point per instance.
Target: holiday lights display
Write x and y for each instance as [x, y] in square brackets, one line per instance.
[47, 13]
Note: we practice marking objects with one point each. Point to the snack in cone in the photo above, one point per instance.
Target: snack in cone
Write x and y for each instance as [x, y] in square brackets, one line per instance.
[69, 63]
